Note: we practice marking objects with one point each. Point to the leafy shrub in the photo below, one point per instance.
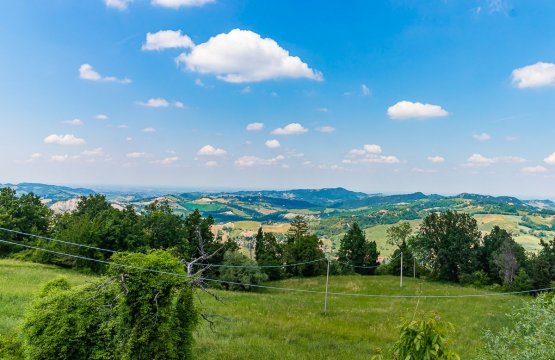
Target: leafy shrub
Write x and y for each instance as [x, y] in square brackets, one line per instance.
[134, 314]
[531, 336]
[477, 278]
[244, 276]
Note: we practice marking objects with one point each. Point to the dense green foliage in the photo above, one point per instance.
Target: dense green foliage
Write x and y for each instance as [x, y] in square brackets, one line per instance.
[241, 272]
[134, 314]
[269, 254]
[447, 243]
[530, 337]
[424, 340]
[356, 253]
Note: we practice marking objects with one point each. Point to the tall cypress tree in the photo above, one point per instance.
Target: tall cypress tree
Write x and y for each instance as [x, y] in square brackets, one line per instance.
[356, 253]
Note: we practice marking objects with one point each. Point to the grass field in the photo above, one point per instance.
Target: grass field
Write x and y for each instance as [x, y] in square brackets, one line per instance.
[287, 325]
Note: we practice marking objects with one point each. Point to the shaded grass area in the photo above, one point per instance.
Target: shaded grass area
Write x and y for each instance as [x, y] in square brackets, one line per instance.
[270, 324]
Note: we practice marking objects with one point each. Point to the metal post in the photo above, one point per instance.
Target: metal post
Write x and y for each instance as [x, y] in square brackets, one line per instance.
[327, 282]
[401, 269]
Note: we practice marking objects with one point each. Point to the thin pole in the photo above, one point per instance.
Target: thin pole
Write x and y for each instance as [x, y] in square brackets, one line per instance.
[327, 282]
[401, 269]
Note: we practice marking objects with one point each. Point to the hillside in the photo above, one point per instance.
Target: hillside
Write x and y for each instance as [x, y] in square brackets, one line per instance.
[288, 325]
[329, 210]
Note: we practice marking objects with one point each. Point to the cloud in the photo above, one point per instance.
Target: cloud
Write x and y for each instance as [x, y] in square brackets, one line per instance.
[272, 144]
[136, 155]
[176, 4]
[74, 122]
[211, 164]
[538, 75]
[244, 56]
[166, 39]
[255, 126]
[154, 102]
[209, 150]
[550, 159]
[476, 160]
[415, 110]
[323, 109]
[534, 169]
[59, 158]
[123, 126]
[148, 130]
[252, 161]
[424, 171]
[326, 129]
[168, 161]
[87, 72]
[129, 138]
[291, 129]
[364, 90]
[117, 4]
[35, 156]
[436, 159]
[67, 139]
[481, 137]
[102, 117]
[369, 153]
[97, 152]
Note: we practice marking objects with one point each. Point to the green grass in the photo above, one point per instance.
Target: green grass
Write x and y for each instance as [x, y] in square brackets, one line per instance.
[287, 325]
[19, 282]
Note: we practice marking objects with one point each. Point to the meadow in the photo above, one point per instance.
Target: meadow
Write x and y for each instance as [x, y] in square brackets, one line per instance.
[272, 324]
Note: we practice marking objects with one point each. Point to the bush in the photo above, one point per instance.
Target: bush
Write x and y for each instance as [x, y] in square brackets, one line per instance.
[244, 276]
[530, 337]
[424, 339]
[134, 314]
[477, 278]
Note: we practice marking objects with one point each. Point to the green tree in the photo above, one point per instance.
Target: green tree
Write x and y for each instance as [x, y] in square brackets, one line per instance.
[398, 235]
[25, 213]
[241, 271]
[164, 229]
[448, 242]
[269, 253]
[306, 248]
[355, 253]
[298, 228]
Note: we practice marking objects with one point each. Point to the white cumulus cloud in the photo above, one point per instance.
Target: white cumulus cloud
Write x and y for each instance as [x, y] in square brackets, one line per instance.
[244, 56]
[101, 117]
[87, 72]
[537, 75]
[252, 161]
[211, 164]
[326, 129]
[436, 159]
[415, 110]
[67, 139]
[291, 129]
[75, 122]
[117, 4]
[534, 169]
[154, 102]
[167, 39]
[136, 155]
[149, 130]
[482, 136]
[209, 150]
[255, 126]
[272, 144]
[480, 160]
[550, 159]
[176, 4]
[369, 153]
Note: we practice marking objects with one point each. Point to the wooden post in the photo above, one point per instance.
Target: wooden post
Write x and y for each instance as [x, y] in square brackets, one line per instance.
[401, 279]
[327, 282]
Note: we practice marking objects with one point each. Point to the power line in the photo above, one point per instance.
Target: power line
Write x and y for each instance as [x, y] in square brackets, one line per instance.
[91, 259]
[365, 267]
[261, 266]
[56, 240]
[283, 288]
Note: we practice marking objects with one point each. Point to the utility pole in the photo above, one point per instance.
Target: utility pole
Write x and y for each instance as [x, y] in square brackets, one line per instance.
[401, 269]
[327, 282]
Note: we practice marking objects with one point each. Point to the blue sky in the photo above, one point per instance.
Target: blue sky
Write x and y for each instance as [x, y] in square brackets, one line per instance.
[378, 96]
